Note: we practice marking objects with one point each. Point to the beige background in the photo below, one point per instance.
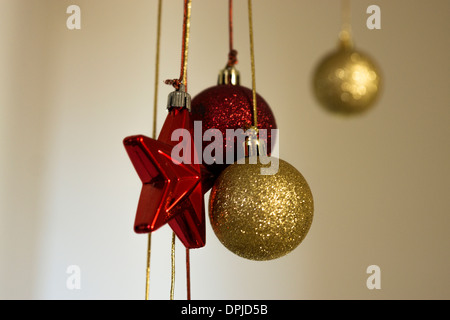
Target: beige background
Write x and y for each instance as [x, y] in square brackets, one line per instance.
[69, 192]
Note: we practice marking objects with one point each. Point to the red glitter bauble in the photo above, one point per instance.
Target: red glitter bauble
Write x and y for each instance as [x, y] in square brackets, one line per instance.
[228, 106]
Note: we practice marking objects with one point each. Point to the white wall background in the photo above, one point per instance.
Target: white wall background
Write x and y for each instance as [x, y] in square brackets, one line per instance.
[69, 192]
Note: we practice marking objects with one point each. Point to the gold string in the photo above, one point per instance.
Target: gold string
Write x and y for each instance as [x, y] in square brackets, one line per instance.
[186, 29]
[158, 41]
[176, 84]
[346, 15]
[185, 53]
[155, 108]
[252, 56]
[345, 35]
[172, 278]
[149, 251]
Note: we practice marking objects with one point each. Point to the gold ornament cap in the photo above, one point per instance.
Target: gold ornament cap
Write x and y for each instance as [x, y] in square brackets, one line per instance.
[229, 75]
[345, 40]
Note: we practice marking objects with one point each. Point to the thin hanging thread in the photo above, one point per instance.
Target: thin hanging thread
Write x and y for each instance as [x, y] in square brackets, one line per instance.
[176, 83]
[345, 35]
[188, 274]
[158, 41]
[155, 108]
[184, 49]
[252, 56]
[230, 23]
[149, 251]
[346, 15]
[172, 277]
[232, 54]
[186, 28]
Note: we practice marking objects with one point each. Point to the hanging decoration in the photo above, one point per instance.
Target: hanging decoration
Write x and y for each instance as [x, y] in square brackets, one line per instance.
[347, 81]
[228, 106]
[261, 217]
[172, 190]
[260, 212]
[260, 206]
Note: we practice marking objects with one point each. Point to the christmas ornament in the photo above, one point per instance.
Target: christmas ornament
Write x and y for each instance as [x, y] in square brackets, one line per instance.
[347, 80]
[260, 217]
[172, 190]
[260, 212]
[228, 106]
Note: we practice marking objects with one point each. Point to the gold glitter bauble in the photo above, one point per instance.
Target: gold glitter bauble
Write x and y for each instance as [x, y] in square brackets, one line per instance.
[347, 81]
[261, 217]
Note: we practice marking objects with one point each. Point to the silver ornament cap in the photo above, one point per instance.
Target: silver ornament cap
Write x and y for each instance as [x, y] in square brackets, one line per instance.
[179, 99]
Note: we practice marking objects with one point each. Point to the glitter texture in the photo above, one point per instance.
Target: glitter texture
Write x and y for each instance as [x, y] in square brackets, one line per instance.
[261, 217]
[230, 107]
[347, 81]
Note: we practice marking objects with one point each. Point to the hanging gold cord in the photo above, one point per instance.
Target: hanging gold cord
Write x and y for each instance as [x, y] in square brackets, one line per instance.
[345, 35]
[185, 44]
[172, 277]
[158, 41]
[149, 251]
[187, 26]
[155, 108]
[183, 80]
[184, 50]
[346, 15]
[252, 56]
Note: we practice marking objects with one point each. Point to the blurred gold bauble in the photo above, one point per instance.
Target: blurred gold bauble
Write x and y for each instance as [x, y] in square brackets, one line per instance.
[347, 81]
[261, 217]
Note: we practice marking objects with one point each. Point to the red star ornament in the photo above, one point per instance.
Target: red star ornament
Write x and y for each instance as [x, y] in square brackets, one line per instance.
[171, 186]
